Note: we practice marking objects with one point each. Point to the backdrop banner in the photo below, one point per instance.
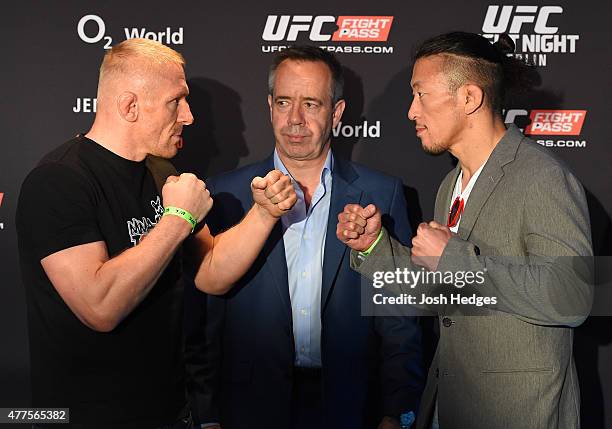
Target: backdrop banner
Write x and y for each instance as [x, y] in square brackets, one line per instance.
[52, 53]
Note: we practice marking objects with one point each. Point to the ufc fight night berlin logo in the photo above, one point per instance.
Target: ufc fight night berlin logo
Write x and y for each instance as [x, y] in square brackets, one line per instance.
[533, 30]
[344, 30]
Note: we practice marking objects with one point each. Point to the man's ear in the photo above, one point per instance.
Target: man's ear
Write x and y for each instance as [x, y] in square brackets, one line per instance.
[270, 105]
[338, 111]
[127, 106]
[473, 97]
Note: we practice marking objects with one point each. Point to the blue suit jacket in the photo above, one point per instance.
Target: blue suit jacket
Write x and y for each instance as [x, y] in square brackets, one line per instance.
[240, 347]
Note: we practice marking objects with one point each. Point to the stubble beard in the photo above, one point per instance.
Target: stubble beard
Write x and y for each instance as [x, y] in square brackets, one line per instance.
[434, 149]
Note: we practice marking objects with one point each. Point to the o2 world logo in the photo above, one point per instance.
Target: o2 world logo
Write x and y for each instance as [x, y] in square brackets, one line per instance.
[92, 29]
[327, 28]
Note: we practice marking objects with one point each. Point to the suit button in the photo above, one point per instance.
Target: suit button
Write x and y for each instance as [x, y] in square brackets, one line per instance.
[437, 372]
[447, 322]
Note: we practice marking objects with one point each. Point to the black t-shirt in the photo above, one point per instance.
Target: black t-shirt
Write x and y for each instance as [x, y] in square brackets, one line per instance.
[82, 193]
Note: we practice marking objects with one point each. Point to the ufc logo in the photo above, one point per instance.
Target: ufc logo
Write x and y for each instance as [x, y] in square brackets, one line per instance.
[512, 114]
[287, 28]
[509, 22]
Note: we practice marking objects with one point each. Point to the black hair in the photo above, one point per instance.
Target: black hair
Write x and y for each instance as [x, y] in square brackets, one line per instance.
[310, 53]
[471, 57]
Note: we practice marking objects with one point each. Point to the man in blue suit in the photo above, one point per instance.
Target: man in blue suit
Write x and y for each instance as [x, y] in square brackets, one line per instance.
[288, 347]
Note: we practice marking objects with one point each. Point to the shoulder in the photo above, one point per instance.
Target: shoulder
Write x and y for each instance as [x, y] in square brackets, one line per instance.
[385, 191]
[63, 165]
[53, 184]
[232, 195]
[539, 164]
[367, 177]
[238, 179]
[59, 175]
[66, 161]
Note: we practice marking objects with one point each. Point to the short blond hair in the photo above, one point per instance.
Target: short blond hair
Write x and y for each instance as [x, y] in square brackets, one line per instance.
[125, 57]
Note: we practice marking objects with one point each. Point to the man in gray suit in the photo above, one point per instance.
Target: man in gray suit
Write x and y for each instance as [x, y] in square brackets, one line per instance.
[510, 212]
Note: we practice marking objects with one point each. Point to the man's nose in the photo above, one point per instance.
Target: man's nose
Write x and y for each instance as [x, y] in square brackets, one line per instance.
[296, 115]
[413, 111]
[185, 115]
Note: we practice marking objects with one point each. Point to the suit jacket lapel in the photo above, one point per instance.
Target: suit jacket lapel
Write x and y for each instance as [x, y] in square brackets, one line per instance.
[277, 261]
[504, 153]
[277, 266]
[343, 193]
[446, 193]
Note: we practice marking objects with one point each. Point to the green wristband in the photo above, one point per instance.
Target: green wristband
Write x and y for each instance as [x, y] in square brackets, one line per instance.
[369, 249]
[181, 213]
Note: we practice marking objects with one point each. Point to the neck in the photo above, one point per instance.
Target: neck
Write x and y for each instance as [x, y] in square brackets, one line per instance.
[476, 145]
[306, 172]
[116, 140]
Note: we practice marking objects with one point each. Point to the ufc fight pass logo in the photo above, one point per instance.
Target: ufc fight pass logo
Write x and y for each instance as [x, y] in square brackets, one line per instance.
[548, 122]
[327, 28]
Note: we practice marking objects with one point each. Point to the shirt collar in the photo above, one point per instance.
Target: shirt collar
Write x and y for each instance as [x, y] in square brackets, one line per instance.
[468, 188]
[328, 166]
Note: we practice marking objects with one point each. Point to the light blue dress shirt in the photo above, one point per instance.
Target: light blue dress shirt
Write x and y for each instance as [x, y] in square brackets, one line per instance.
[304, 234]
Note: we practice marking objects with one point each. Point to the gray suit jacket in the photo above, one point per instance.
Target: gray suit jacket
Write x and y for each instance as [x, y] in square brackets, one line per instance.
[526, 225]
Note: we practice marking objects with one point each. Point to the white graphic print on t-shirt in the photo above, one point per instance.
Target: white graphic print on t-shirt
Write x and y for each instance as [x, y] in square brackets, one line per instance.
[138, 228]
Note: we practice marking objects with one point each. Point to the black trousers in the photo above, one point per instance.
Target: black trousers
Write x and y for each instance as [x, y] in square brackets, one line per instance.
[307, 404]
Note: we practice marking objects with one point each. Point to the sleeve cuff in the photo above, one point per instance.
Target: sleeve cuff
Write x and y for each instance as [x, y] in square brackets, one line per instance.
[369, 249]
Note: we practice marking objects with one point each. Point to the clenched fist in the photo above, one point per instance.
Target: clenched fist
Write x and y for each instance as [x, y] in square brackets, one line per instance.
[274, 193]
[359, 227]
[189, 193]
[429, 243]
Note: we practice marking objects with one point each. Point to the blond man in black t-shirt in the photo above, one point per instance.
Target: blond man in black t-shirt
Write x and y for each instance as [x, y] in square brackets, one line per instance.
[100, 249]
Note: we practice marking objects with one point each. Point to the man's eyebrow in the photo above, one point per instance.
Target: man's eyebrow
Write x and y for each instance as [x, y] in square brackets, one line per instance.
[313, 99]
[180, 94]
[287, 97]
[415, 84]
